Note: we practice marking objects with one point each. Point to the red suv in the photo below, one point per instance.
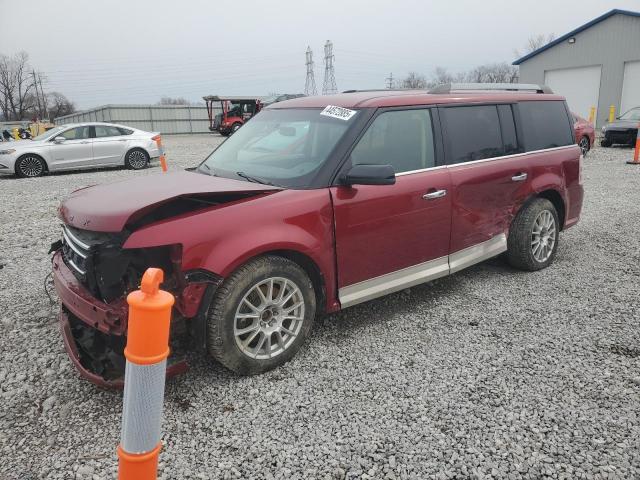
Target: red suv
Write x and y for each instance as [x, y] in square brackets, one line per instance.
[318, 204]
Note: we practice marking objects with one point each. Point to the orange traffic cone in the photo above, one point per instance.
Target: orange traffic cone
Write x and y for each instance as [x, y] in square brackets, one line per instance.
[146, 353]
[636, 154]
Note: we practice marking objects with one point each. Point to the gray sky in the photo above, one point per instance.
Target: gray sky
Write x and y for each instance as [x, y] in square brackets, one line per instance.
[136, 51]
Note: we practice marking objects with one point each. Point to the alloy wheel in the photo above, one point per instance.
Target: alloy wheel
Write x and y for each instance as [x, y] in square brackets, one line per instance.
[269, 318]
[584, 145]
[543, 236]
[137, 159]
[31, 166]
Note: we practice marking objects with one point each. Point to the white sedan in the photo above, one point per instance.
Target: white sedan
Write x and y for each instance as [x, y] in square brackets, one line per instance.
[76, 146]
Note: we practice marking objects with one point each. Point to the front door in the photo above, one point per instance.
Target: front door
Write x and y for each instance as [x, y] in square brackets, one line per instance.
[389, 237]
[108, 145]
[75, 151]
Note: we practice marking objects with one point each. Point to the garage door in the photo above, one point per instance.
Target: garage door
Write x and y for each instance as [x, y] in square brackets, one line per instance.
[630, 86]
[580, 86]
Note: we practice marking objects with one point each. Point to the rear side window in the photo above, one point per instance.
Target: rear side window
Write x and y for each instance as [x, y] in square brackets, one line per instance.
[124, 131]
[401, 138]
[472, 133]
[545, 124]
[107, 131]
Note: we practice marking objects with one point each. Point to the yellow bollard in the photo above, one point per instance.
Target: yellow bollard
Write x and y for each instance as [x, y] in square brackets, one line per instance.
[612, 113]
[592, 114]
[146, 353]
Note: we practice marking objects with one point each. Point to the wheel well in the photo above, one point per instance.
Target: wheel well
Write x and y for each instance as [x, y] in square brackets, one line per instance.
[554, 197]
[46, 167]
[137, 148]
[311, 269]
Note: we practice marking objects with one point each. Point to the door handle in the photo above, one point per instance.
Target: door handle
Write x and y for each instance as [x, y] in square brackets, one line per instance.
[519, 177]
[84, 143]
[434, 195]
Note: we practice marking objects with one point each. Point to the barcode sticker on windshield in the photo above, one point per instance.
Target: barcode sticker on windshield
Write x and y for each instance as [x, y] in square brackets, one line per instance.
[338, 112]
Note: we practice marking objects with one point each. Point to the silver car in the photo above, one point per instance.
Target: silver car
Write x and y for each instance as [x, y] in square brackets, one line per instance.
[76, 146]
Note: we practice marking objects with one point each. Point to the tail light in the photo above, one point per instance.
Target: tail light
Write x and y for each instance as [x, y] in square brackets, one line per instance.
[155, 138]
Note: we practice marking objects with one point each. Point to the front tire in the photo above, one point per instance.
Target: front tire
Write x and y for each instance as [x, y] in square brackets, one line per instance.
[136, 159]
[30, 166]
[261, 315]
[605, 143]
[533, 237]
[236, 126]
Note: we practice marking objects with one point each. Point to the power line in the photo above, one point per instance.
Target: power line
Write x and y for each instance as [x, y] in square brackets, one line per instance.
[310, 83]
[329, 84]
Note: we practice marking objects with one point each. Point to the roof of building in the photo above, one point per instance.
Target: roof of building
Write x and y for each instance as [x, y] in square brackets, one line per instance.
[572, 33]
[398, 98]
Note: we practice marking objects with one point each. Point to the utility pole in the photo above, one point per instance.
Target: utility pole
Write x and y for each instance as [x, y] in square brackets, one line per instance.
[44, 99]
[329, 84]
[35, 84]
[310, 83]
[389, 80]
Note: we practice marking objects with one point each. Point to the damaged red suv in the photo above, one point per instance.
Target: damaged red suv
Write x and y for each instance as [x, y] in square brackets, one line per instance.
[315, 205]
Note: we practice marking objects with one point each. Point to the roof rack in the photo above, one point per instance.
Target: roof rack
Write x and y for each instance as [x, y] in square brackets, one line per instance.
[475, 87]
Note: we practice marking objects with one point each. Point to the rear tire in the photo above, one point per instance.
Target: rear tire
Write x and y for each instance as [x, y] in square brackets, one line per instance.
[261, 315]
[533, 237]
[136, 159]
[235, 128]
[30, 166]
[585, 145]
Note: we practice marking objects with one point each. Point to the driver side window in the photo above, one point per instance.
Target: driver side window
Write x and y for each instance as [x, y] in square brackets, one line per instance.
[400, 138]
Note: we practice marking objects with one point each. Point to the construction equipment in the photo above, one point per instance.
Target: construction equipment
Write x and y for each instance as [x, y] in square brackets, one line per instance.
[235, 112]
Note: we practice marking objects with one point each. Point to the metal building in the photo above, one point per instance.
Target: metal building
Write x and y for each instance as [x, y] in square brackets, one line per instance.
[597, 64]
[152, 118]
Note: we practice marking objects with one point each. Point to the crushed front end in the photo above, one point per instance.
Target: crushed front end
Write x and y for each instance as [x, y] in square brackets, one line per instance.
[93, 274]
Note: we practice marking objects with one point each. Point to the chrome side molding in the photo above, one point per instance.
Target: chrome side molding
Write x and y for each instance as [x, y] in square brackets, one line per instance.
[421, 273]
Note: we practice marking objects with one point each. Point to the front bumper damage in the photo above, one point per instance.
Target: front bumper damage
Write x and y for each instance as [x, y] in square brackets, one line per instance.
[94, 332]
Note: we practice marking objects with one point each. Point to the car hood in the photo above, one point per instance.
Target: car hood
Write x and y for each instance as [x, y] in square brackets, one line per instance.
[111, 207]
[27, 144]
[622, 124]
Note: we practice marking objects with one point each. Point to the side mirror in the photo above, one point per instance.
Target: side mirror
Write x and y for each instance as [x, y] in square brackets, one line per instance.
[370, 175]
[59, 140]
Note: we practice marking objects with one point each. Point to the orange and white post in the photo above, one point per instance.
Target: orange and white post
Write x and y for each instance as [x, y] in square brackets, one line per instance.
[636, 153]
[146, 353]
[163, 160]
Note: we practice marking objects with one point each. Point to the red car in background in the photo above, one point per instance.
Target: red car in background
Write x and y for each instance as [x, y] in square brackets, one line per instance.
[585, 133]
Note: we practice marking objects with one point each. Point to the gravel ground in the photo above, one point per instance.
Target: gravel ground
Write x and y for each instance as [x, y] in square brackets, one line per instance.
[490, 373]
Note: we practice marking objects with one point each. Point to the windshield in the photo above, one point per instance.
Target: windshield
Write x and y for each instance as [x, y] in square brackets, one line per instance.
[48, 133]
[633, 114]
[281, 147]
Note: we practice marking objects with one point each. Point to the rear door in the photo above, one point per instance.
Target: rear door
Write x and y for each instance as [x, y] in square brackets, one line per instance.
[108, 145]
[489, 176]
[389, 237]
[76, 151]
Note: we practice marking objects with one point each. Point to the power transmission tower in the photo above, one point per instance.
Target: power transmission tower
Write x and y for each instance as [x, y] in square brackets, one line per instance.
[389, 80]
[310, 83]
[329, 84]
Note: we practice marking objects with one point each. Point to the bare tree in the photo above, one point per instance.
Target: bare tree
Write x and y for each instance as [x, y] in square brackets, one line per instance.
[59, 105]
[414, 80]
[493, 73]
[534, 42]
[173, 101]
[17, 86]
